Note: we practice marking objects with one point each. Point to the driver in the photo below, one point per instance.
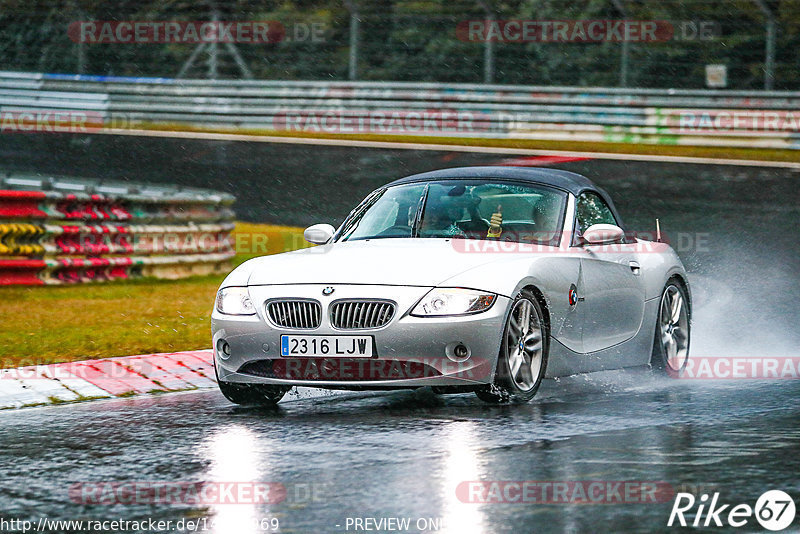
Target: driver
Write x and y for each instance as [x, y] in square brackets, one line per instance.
[441, 216]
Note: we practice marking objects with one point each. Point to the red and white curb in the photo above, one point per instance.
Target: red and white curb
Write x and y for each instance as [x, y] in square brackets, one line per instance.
[537, 161]
[126, 376]
[106, 378]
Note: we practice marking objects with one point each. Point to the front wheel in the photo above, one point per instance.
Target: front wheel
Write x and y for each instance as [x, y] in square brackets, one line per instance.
[671, 343]
[262, 394]
[265, 395]
[522, 361]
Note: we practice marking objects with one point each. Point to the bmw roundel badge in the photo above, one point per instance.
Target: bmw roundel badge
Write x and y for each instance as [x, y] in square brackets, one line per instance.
[573, 295]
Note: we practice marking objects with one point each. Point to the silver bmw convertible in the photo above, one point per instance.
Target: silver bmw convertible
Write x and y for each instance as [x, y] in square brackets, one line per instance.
[484, 279]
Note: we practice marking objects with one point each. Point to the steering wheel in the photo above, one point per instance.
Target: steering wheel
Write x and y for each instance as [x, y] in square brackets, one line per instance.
[478, 224]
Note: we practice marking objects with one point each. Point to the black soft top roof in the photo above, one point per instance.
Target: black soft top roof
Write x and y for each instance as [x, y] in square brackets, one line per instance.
[568, 181]
[564, 180]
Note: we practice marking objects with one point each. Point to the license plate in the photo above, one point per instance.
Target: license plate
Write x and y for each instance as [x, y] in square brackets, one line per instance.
[334, 346]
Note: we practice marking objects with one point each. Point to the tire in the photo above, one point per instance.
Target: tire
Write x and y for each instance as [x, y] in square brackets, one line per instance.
[519, 385]
[673, 330]
[260, 394]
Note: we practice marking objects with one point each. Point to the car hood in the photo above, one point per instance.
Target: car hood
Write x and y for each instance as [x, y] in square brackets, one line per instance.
[417, 262]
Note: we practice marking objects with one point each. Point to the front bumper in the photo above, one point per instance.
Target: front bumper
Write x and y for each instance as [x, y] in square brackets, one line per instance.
[411, 351]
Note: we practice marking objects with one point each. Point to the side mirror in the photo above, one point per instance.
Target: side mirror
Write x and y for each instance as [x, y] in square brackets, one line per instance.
[603, 234]
[319, 234]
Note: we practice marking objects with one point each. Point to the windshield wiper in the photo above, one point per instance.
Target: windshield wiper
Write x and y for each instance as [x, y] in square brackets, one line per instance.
[418, 215]
[352, 222]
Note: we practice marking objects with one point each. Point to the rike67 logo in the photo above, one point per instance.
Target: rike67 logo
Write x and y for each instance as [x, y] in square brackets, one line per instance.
[774, 510]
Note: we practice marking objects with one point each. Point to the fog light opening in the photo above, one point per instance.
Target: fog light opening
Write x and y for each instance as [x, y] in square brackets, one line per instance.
[223, 349]
[457, 352]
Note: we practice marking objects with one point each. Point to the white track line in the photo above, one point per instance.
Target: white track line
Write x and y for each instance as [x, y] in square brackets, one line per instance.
[212, 136]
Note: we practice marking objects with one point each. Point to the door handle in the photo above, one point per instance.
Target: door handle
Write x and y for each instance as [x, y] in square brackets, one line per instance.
[635, 267]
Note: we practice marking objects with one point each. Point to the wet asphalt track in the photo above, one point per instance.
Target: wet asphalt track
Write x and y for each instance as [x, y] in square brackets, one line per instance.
[402, 454]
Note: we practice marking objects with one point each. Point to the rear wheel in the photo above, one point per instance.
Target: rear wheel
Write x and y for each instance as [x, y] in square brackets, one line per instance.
[522, 361]
[671, 343]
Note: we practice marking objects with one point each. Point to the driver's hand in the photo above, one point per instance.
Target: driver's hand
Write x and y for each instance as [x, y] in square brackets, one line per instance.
[496, 222]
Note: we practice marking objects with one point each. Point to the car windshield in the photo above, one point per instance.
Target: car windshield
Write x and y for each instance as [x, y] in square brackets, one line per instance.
[466, 209]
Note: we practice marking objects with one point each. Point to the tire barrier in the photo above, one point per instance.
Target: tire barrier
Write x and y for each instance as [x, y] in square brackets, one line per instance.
[85, 104]
[67, 230]
[62, 239]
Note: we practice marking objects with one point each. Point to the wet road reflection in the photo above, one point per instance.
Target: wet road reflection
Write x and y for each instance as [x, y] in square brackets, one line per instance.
[236, 458]
[404, 454]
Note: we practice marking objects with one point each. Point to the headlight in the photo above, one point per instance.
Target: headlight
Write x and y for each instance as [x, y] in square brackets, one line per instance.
[234, 301]
[453, 301]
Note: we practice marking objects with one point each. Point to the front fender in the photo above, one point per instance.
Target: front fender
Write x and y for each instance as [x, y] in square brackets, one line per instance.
[240, 275]
[552, 274]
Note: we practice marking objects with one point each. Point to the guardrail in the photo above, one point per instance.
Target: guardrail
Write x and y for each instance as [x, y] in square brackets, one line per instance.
[67, 230]
[55, 102]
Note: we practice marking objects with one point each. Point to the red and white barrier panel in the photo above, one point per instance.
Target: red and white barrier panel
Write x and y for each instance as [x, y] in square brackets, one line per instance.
[58, 383]
[112, 377]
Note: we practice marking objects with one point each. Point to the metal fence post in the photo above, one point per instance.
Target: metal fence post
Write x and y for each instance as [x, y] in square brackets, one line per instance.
[769, 53]
[212, 49]
[623, 61]
[488, 47]
[352, 71]
[81, 48]
[488, 62]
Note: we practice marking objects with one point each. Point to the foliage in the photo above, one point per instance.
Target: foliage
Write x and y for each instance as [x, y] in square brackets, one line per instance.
[414, 40]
